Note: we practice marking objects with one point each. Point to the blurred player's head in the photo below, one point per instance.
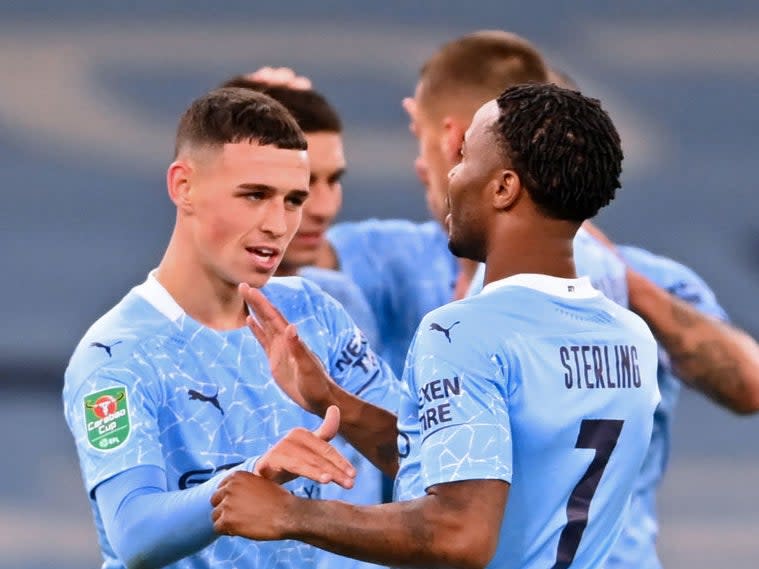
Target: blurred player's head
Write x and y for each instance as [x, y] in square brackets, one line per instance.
[239, 180]
[453, 84]
[540, 156]
[323, 129]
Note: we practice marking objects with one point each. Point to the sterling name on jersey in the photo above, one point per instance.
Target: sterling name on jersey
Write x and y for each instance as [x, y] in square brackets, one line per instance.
[543, 383]
[148, 385]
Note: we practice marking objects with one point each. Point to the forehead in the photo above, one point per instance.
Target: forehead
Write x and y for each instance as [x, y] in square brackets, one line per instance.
[251, 163]
[325, 147]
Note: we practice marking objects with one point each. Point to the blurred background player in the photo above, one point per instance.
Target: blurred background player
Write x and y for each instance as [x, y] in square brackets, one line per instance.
[169, 390]
[501, 464]
[322, 128]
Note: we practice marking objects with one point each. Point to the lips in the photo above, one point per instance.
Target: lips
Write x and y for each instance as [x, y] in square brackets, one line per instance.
[309, 238]
[264, 258]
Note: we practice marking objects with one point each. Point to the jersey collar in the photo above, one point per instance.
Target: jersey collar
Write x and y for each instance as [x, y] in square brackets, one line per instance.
[555, 286]
[154, 292]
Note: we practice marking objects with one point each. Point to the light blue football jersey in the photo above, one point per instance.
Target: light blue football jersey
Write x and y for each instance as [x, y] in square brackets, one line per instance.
[636, 548]
[148, 385]
[367, 489]
[543, 383]
[404, 269]
[593, 260]
[340, 287]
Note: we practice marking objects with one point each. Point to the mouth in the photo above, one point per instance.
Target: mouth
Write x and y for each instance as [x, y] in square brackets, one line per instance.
[309, 238]
[264, 259]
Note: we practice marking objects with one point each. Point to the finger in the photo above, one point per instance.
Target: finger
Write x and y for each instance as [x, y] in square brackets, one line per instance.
[216, 513]
[330, 425]
[317, 467]
[264, 310]
[258, 332]
[301, 83]
[299, 350]
[217, 497]
[316, 451]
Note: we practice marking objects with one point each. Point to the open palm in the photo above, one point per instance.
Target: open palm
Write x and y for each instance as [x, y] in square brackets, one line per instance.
[295, 368]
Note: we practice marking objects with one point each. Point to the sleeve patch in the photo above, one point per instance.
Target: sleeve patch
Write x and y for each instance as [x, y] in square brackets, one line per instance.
[106, 418]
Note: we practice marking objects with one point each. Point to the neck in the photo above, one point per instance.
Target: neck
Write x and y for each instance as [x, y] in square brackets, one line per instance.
[542, 246]
[467, 268]
[200, 293]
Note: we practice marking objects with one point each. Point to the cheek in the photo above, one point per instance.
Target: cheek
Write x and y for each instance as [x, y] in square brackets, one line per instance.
[220, 223]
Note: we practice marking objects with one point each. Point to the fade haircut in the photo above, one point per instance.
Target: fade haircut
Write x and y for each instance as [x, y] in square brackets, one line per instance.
[477, 67]
[563, 146]
[236, 115]
[310, 108]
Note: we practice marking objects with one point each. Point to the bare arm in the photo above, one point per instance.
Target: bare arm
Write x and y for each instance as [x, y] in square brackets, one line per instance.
[454, 525]
[709, 355]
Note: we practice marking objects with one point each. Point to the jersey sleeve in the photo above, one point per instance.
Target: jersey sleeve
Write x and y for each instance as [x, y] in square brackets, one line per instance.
[463, 429]
[677, 279]
[112, 416]
[351, 361]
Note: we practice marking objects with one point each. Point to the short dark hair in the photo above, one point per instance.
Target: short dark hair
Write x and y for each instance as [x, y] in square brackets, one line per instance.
[482, 63]
[563, 146]
[310, 108]
[235, 115]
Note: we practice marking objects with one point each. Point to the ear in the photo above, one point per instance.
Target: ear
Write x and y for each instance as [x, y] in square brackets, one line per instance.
[178, 183]
[507, 190]
[453, 139]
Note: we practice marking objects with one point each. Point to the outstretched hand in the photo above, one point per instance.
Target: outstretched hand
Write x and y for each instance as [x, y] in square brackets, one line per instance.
[308, 454]
[295, 368]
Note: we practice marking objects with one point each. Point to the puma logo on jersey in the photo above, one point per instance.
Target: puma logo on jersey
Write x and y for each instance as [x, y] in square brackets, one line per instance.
[212, 399]
[106, 347]
[447, 331]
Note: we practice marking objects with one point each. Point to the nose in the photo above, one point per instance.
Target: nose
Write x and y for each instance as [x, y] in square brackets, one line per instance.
[322, 203]
[422, 172]
[274, 221]
[452, 172]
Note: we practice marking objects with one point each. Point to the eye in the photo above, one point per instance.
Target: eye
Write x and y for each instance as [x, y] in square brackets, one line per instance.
[296, 201]
[255, 196]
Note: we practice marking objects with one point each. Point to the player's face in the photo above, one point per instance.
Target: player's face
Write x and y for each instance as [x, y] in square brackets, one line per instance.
[431, 165]
[468, 183]
[327, 162]
[246, 205]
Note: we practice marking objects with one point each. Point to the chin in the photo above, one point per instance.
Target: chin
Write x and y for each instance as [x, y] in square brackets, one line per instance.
[464, 250]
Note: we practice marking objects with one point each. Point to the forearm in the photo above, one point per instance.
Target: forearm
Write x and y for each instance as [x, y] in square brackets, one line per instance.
[148, 526]
[707, 354]
[370, 429]
[418, 533]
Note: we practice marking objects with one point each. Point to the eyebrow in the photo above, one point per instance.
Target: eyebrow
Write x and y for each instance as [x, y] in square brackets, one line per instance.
[271, 189]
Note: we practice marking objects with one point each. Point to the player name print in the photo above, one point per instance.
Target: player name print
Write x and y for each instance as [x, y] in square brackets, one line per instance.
[106, 418]
[600, 366]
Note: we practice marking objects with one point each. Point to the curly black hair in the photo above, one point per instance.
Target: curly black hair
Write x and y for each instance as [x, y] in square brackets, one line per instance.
[563, 146]
[236, 115]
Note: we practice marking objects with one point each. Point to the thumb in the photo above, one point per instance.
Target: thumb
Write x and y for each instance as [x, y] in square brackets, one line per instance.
[328, 429]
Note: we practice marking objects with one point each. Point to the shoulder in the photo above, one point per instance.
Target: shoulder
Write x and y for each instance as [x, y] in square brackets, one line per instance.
[110, 345]
[386, 229]
[677, 278]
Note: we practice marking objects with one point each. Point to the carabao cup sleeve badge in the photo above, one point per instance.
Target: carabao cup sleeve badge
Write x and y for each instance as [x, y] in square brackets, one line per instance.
[106, 418]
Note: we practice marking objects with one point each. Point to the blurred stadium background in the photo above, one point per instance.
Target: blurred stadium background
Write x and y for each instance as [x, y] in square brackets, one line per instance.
[89, 100]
